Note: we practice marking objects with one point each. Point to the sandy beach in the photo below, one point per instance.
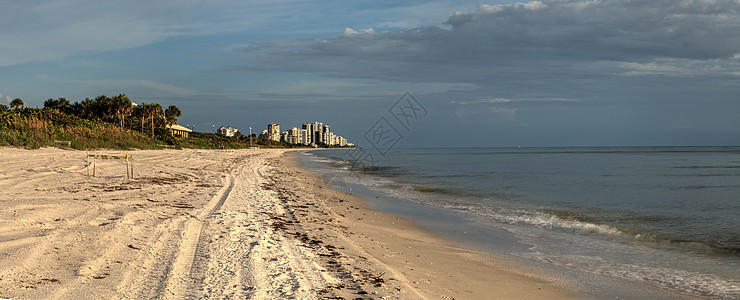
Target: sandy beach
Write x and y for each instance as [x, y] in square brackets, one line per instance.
[222, 224]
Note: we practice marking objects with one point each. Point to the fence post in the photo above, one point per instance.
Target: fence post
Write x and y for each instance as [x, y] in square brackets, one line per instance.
[128, 161]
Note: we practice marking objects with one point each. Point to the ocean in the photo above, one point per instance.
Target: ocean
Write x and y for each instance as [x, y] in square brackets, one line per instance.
[667, 217]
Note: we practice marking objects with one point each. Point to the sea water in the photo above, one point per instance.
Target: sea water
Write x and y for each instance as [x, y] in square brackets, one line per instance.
[664, 216]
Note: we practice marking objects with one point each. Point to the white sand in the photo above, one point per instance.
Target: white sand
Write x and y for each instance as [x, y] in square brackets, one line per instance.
[215, 224]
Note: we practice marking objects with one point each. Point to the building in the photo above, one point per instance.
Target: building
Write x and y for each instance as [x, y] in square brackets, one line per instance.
[327, 138]
[313, 134]
[293, 136]
[227, 131]
[179, 130]
[273, 132]
[315, 130]
[326, 135]
[303, 137]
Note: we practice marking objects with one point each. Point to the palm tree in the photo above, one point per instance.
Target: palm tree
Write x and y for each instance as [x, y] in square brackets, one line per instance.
[155, 111]
[171, 114]
[122, 106]
[140, 111]
[84, 109]
[17, 103]
[60, 104]
[103, 108]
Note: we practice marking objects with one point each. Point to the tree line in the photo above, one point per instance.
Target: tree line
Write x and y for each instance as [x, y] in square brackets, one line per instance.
[114, 110]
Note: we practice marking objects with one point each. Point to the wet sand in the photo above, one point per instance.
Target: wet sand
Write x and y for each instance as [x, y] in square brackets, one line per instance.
[222, 224]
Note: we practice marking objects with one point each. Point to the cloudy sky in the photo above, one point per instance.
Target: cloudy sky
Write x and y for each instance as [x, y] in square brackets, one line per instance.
[496, 73]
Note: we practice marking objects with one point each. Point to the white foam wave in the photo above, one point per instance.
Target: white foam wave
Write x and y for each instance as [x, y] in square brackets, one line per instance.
[679, 280]
[539, 219]
[554, 222]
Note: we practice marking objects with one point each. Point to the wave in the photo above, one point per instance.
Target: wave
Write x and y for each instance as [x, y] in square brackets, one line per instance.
[707, 285]
[575, 225]
[545, 220]
[385, 171]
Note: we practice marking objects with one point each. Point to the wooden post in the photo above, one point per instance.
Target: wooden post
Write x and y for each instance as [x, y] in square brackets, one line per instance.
[129, 161]
[127, 166]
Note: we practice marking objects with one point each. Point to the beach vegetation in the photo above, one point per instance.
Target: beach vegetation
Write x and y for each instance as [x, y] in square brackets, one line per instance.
[16, 103]
[34, 128]
[171, 115]
[109, 122]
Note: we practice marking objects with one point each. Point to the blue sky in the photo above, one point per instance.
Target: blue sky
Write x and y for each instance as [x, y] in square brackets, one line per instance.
[497, 73]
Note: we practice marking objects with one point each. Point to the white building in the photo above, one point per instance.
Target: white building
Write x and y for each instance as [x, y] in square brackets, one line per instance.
[179, 130]
[227, 131]
[303, 137]
[273, 132]
[293, 137]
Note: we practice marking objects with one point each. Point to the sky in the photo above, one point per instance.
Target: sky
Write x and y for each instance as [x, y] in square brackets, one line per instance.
[467, 73]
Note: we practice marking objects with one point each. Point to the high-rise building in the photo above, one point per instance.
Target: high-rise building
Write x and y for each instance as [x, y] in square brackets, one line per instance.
[317, 128]
[315, 133]
[292, 136]
[273, 132]
[308, 127]
[303, 137]
[314, 130]
[328, 138]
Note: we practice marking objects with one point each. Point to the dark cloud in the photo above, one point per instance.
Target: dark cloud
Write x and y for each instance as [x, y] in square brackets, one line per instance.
[611, 30]
[575, 38]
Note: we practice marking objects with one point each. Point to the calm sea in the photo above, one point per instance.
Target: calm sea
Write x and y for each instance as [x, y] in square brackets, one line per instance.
[665, 216]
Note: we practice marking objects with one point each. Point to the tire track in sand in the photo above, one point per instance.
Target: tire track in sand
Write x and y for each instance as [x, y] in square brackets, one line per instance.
[232, 250]
[188, 269]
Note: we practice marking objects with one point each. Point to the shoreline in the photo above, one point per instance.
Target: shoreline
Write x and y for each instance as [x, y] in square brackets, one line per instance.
[426, 262]
[222, 224]
[465, 232]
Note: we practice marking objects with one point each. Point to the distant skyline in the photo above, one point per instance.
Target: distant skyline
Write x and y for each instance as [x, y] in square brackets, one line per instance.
[494, 73]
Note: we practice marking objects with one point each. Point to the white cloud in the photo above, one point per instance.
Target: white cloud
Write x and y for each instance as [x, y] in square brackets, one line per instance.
[351, 32]
[674, 67]
[5, 98]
